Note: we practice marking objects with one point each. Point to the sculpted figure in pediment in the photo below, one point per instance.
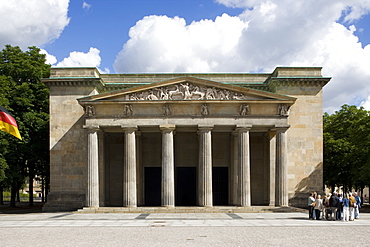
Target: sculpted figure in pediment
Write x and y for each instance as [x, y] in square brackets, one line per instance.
[187, 91]
[175, 92]
[137, 96]
[163, 94]
[210, 94]
[239, 96]
[151, 96]
[197, 93]
[187, 94]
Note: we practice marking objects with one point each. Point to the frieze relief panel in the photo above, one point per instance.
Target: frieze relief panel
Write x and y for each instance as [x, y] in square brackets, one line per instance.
[127, 111]
[188, 91]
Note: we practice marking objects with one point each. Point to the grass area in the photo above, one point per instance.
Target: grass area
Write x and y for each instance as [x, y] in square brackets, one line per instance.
[22, 196]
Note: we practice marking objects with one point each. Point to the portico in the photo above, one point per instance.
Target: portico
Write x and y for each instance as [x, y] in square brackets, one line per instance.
[148, 147]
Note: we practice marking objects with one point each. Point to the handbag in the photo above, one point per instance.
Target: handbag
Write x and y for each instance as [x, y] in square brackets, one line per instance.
[314, 204]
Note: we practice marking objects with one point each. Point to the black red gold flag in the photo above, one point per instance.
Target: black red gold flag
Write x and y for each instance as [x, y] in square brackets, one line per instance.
[8, 123]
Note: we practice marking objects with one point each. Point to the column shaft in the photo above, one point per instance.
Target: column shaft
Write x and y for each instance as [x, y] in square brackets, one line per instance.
[272, 168]
[244, 181]
[102, 171]
[235, 176]
[129, 169]
[205, 167]
[92, 197]
[168, 170]
[281, 168]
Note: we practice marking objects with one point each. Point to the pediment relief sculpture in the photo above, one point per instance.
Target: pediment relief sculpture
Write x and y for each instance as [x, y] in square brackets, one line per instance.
[187, 91]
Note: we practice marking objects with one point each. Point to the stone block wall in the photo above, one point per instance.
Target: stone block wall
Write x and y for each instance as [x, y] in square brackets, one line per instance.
[67, 148]
[305, 144]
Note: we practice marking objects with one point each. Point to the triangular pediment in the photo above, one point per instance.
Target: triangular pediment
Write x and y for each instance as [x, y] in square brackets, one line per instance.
[187, 88]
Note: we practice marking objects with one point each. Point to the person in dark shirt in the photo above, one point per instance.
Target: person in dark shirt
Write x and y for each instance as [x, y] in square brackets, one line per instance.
[334, 200]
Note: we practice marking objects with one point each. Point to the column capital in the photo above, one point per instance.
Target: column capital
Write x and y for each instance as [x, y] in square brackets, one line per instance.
[205, 127]
[91, 128]
[129, 127]
[280, 128]
[167, 127]
[241, 128]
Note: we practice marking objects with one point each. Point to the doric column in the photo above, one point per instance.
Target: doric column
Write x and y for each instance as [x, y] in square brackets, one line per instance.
[139, 171]
[129, 167]
[168, 169]
[244, 177]
[272, 167]
[92, 196]
[205, 166]
[102, 172]
[235, 170]
[281, 167]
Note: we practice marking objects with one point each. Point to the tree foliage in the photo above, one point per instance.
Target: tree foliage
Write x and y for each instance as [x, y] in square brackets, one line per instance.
[346, 147]
[24, 95]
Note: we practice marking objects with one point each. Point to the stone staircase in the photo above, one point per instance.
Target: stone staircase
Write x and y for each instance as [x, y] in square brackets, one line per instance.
[195, 209]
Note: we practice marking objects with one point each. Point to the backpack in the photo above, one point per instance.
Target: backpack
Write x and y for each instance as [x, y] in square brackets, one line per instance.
[326, 203]
[351, 202]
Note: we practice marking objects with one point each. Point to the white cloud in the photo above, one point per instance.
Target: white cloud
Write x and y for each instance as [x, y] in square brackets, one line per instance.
[86, 6]
[366, 103]
[32, 22]
[50, 59]
[162, 44]
[267, 34]
[81, 59]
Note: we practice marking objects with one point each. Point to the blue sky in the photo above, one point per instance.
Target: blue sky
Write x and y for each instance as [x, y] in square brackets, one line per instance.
[105, 24]
[130, 36]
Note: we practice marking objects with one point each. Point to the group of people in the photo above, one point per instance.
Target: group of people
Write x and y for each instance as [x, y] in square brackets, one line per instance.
[334, 206]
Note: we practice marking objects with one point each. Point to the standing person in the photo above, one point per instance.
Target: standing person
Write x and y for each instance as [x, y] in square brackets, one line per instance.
[358, 205]
[318, 207]
[311, 201]
[314, 195]
[352, 203]
[345, 207]
[340, 207]
[327, 209]
[334, 204]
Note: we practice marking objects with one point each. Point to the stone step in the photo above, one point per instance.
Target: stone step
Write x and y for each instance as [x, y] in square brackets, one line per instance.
[253, 209]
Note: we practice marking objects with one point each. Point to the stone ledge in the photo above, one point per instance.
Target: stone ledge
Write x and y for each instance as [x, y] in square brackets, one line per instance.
[140, 210]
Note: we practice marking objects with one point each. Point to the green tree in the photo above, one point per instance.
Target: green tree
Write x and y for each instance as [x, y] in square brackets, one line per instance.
[26, 98]
[346, 148]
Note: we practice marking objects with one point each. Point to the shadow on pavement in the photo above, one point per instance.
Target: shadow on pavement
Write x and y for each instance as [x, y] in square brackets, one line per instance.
[21, 208]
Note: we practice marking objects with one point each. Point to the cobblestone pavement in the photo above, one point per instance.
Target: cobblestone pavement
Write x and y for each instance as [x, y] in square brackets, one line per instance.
[180, 229]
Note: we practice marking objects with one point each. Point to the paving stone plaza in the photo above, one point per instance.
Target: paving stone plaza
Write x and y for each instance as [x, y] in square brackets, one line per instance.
[177, 229]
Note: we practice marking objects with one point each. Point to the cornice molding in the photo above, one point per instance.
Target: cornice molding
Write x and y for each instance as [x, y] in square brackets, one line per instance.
[274, 83]
[74, 82]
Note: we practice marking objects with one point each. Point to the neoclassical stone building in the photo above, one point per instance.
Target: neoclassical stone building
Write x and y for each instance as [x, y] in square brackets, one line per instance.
[136, 140]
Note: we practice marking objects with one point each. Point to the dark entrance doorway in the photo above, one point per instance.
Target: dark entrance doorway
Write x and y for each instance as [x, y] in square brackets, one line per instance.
[186, 186]
[220, 185]
[153, 179]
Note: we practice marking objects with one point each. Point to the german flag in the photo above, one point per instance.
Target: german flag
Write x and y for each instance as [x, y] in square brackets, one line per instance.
[8, 123]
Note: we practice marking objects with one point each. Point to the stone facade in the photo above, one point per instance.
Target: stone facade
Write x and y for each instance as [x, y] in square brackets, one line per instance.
[130, 140]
